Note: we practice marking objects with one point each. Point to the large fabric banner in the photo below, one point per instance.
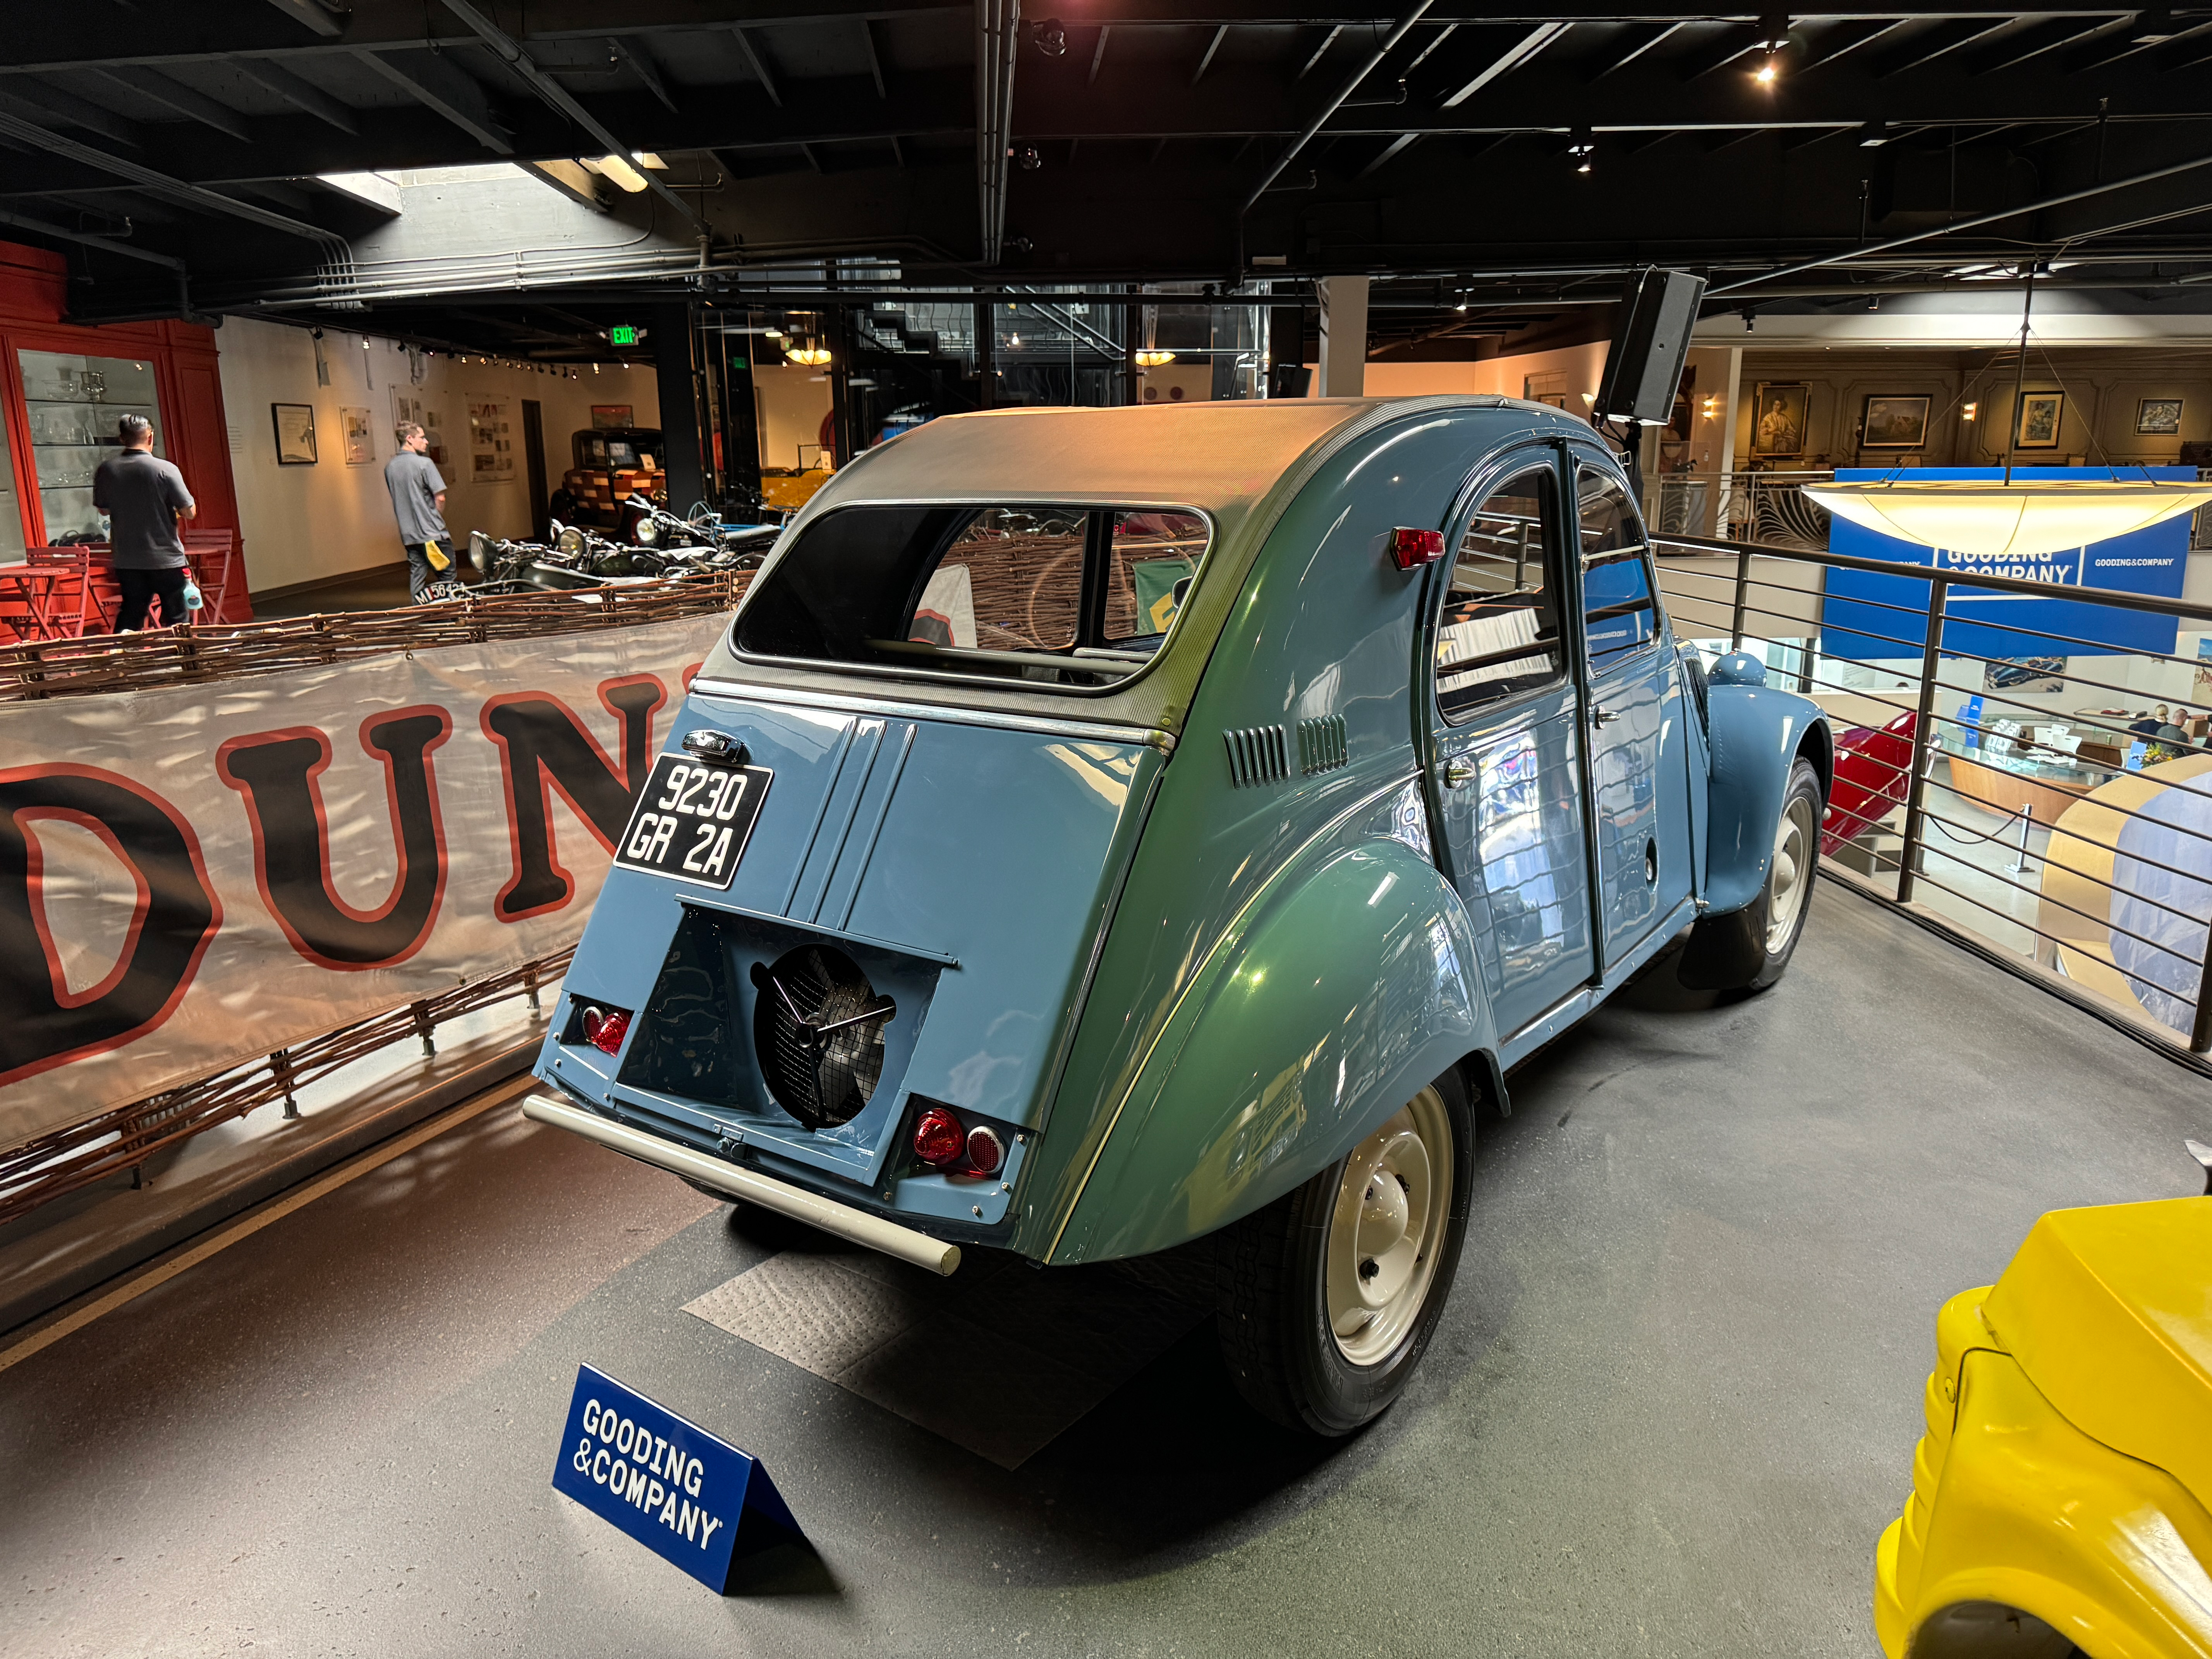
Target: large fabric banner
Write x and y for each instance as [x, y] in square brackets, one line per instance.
[194, 877]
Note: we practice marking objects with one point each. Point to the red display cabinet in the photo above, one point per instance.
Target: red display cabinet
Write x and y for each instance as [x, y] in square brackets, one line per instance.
[62, 389]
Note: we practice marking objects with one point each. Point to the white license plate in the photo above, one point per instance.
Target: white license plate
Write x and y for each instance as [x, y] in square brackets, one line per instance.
[693, 820]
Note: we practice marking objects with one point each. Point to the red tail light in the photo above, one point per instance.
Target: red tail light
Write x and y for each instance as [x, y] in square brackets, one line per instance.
[605, 1032]
[938, 1139]
[985, 1151]
[1416, 547]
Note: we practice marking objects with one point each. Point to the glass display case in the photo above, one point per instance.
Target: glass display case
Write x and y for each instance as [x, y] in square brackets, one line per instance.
[72, 403]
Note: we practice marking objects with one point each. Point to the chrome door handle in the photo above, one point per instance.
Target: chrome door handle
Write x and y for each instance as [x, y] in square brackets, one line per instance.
[1458, 772]
[1602, 716]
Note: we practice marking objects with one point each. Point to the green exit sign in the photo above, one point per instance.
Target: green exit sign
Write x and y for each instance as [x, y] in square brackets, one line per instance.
[622, 334]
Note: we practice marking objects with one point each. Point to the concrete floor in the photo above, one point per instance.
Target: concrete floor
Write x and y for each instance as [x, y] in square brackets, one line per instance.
[1672, 1404]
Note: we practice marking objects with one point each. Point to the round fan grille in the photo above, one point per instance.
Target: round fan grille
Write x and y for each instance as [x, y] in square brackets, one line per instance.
[818, 1032]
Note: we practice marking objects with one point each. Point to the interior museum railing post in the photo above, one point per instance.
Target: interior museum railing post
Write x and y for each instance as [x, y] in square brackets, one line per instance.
[1923, 740]
[1742, 598]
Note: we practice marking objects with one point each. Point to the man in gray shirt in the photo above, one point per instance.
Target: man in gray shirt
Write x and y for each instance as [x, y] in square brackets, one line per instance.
[418, 500]
[143, 496]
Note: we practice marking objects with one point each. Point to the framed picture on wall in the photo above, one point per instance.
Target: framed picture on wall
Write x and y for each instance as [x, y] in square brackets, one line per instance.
[1777, 418]
[2039, 413]
[1895, 422]
[295, 434]
[611, 418]
[2162, 416]
[358, 425]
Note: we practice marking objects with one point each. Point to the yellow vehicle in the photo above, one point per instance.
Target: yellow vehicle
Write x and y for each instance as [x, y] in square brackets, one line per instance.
[2062, 1497]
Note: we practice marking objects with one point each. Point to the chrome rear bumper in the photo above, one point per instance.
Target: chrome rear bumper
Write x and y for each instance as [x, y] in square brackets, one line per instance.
[831, 1217]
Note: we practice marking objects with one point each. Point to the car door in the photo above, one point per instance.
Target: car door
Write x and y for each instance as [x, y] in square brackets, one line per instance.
[1641, 856]
[1506, 747]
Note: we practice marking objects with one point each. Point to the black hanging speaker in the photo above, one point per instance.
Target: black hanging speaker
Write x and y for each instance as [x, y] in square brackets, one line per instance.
[1643, 364]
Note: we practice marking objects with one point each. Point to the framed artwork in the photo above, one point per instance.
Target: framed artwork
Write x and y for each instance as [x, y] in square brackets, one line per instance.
[491, 445]
[358, 425]
[1777, 418]
[2039, 420]
[611, 418]
[1895, 422]
[2158, 415]
[295, 434]
[408, 406]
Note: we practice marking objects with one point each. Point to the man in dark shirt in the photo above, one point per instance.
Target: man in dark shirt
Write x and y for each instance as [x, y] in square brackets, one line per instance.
[418, 500]
[143, 496]
[2149, 724]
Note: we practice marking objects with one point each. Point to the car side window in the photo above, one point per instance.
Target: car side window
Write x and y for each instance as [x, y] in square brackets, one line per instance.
[1620, 617]
[1498, 633]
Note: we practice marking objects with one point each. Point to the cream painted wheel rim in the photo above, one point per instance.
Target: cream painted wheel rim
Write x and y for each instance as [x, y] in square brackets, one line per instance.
[1790, 881]
[1388, 1225]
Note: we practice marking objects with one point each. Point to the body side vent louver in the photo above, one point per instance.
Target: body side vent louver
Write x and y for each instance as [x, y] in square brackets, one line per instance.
[1322, 747]
[1258, 753]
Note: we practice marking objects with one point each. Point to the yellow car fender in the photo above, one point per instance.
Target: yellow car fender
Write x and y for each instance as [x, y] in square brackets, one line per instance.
[2013, 1507]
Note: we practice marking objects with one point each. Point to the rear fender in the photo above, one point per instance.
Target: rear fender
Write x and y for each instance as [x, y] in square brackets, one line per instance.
[1756, 734]
[1318, 1015]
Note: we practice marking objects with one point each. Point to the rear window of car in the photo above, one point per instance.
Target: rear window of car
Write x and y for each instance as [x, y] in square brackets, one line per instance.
[1080, 596]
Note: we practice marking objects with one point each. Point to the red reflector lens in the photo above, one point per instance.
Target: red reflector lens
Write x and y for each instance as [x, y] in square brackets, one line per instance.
[939, 1138]
[985, 1151]
[1413, 547]
[606, 1034]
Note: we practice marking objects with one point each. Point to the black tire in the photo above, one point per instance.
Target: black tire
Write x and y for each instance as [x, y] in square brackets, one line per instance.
[1271, 1287]
[1743, 951]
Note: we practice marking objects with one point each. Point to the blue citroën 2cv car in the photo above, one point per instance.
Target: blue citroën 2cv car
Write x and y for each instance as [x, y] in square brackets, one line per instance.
[1105, 830]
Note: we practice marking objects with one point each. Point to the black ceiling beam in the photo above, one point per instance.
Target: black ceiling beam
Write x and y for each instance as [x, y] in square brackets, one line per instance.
[558, 97]
[313, 13]
[432, 81]
[302, 95]
[47, 104]
[1220, 34]
[1953, 34]
[759, 66]
[875, 59]
[1715, 50]
[638, 60]
[1641, 38]
[175, 96]
[1494, 63]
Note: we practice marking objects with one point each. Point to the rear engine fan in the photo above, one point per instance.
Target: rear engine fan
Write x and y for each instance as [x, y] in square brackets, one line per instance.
[818, 1033]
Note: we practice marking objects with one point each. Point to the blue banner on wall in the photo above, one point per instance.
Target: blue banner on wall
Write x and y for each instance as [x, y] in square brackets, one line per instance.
[1857, 622]
[682, 1493]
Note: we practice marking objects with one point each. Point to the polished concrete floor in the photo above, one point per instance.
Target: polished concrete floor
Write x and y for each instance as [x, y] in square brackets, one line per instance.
[1671, 1406]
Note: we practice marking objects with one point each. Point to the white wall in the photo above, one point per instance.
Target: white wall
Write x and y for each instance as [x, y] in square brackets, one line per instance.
[1568, 371]
[301, 523]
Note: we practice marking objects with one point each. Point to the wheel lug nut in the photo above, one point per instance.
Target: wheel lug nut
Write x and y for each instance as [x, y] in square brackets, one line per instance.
[1369, 1268]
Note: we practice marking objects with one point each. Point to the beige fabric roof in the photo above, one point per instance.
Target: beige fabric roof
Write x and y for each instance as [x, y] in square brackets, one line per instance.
[1224, 457]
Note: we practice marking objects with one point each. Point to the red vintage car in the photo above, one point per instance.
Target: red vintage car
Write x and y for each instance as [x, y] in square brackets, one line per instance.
[1872, 769]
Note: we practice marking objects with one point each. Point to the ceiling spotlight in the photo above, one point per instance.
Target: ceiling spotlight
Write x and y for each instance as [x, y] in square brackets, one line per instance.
[1873, 135]
[1028, 158]
[1050, 37]
[1581, 146]
[1769, 72]
[1773, 32]
[1750, 319]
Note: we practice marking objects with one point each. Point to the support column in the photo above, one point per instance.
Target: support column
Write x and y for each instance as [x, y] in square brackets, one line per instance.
[1132, 324]
[741, 453]
[1343, 336]
[987, 364]
[680, 433]
[841, 391]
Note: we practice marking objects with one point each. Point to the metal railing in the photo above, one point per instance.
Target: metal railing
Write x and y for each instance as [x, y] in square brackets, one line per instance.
[1752, 506]
[2089, 872]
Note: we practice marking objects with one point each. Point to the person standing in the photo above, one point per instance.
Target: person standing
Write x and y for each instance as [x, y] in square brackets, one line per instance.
[143, 496]
[418, 502]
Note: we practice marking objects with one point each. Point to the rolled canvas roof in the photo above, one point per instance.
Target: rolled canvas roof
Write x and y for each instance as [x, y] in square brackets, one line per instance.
[1241, 462]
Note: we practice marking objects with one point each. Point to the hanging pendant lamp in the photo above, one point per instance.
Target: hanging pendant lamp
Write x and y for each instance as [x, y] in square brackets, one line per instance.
[2020, 518]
